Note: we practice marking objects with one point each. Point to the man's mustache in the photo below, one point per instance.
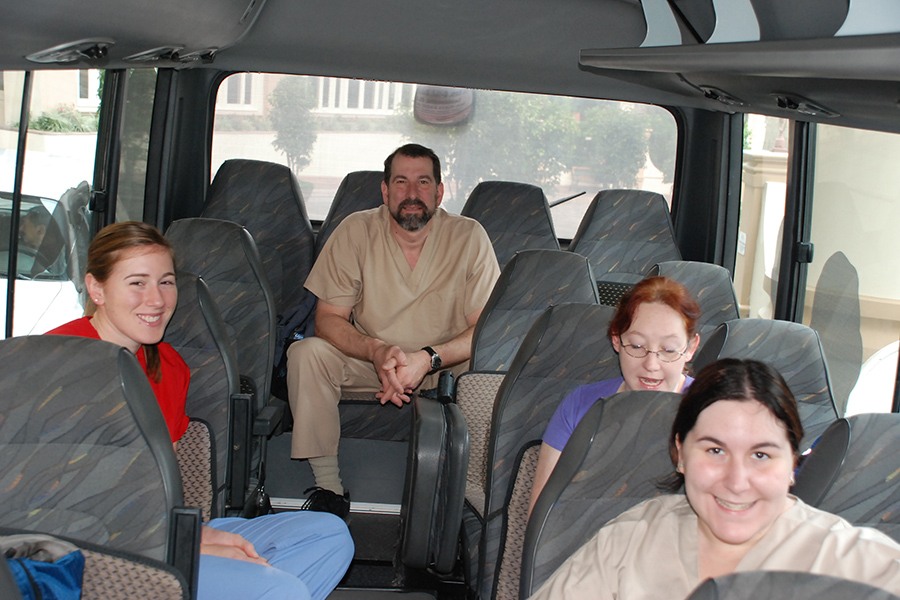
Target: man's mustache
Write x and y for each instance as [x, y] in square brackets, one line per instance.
[412, 202]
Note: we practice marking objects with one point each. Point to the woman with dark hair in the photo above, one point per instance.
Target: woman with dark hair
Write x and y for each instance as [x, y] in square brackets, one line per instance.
[654, 333]
[132, 295]
[734, 445]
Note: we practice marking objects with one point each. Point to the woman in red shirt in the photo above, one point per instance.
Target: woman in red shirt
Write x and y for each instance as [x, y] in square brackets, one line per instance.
[130, 281]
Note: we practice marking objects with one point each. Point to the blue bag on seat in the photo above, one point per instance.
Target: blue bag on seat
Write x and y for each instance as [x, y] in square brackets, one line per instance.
[44, 567]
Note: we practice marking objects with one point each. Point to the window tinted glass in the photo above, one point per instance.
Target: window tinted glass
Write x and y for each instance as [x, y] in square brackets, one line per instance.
[324, 128]
[853, 283]
[58, 164]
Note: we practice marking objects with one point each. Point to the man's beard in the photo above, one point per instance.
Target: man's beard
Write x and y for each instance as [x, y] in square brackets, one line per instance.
[412, 221]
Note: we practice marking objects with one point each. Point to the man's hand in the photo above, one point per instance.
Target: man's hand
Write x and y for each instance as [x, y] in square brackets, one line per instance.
[228, 545]
[387, 360]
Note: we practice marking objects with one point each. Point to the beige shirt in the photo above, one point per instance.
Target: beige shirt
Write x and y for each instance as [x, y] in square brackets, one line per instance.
[363, 267]
[650, 552]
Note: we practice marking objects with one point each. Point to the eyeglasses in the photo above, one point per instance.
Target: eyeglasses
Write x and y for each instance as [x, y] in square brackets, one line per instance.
[665, 355]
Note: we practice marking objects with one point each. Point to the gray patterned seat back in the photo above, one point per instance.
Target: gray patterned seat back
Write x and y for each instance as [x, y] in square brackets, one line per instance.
[516, 216]
[752, 585]
[199, 335]
[566, 347]
[711, 287]
[529, 283]
[359, 190]
[852, 472]
[614, 460]
[84, 450]
[224, 254]
[624, 233]
[265, 198]
[791, 348]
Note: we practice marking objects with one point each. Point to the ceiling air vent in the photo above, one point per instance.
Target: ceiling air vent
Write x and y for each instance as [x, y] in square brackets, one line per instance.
[799, 104]
[714, 93]
[89, 50]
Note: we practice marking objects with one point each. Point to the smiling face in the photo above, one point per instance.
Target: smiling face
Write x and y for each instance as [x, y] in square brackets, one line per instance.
[412, 194]
[137, 300]
[737, 464]
[655, 326]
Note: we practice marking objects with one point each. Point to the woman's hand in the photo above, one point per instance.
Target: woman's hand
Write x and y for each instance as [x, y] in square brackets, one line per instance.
[228, 545]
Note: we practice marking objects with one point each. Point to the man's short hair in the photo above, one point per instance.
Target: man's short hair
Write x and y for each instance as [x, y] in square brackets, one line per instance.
[413, 151]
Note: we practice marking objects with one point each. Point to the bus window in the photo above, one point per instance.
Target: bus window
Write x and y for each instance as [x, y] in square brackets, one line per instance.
[58, 164]
[140, 88]
[325, 127]
[763, 181]
[853, 282]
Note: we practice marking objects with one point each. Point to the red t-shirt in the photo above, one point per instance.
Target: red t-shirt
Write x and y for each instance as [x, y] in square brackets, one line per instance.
[171, 390]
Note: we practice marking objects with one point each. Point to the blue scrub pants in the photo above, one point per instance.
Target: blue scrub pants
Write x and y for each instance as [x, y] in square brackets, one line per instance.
[309, 552]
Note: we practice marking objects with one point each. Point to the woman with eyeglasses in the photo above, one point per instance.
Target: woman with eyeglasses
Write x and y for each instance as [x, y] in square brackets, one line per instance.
[653, 332]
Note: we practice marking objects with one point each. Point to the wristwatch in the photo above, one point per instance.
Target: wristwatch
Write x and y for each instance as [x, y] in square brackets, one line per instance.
[435, 359]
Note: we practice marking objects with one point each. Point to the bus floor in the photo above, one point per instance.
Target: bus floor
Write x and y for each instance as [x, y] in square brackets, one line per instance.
[374, 472]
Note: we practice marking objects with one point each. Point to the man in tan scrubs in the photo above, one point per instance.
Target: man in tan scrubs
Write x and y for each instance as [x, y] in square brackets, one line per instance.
[399, 290]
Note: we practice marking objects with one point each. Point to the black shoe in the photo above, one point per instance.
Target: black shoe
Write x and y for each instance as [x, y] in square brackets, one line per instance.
[322, 500]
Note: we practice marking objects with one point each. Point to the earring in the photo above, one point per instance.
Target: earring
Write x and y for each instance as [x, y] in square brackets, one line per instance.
[679, 467]
[793, 481]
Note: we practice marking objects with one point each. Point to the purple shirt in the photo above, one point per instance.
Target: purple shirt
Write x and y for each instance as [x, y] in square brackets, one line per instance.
[573, 408]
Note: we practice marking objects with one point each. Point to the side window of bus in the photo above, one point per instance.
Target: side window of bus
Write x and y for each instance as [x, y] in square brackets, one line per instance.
[324, 128]
[852, 284]
[53, 221]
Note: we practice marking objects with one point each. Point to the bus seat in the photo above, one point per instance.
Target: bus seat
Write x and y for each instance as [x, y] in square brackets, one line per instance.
[265, 198]
[794, 350]
[86, 453]
[224, 254]
[624, 233]
[613, 461]
[110, 574]
[851, 472]
[565, 348]
[516, 217]
[198, 333]
[529, 283]
[8, 587]
[359, 190]
[836, 315]
[750, 585]
[711, 287]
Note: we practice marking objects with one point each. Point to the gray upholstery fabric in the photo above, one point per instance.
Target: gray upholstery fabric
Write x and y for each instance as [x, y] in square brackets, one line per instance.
[852, 472]
[793, 349]
[265, 198]
[625, 232]
[565, 348]
[475, 394]
[84, 450]
[359, 190]
[784, 585]
[198, 333]
[711, 287]
[516, 217]
[614, 460]
[225, 256]
[530, 283]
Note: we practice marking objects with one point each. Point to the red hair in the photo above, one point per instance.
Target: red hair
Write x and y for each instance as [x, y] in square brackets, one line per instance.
[655, 289]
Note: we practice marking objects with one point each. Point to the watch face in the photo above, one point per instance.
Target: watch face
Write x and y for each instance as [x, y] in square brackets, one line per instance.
[435, 361]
